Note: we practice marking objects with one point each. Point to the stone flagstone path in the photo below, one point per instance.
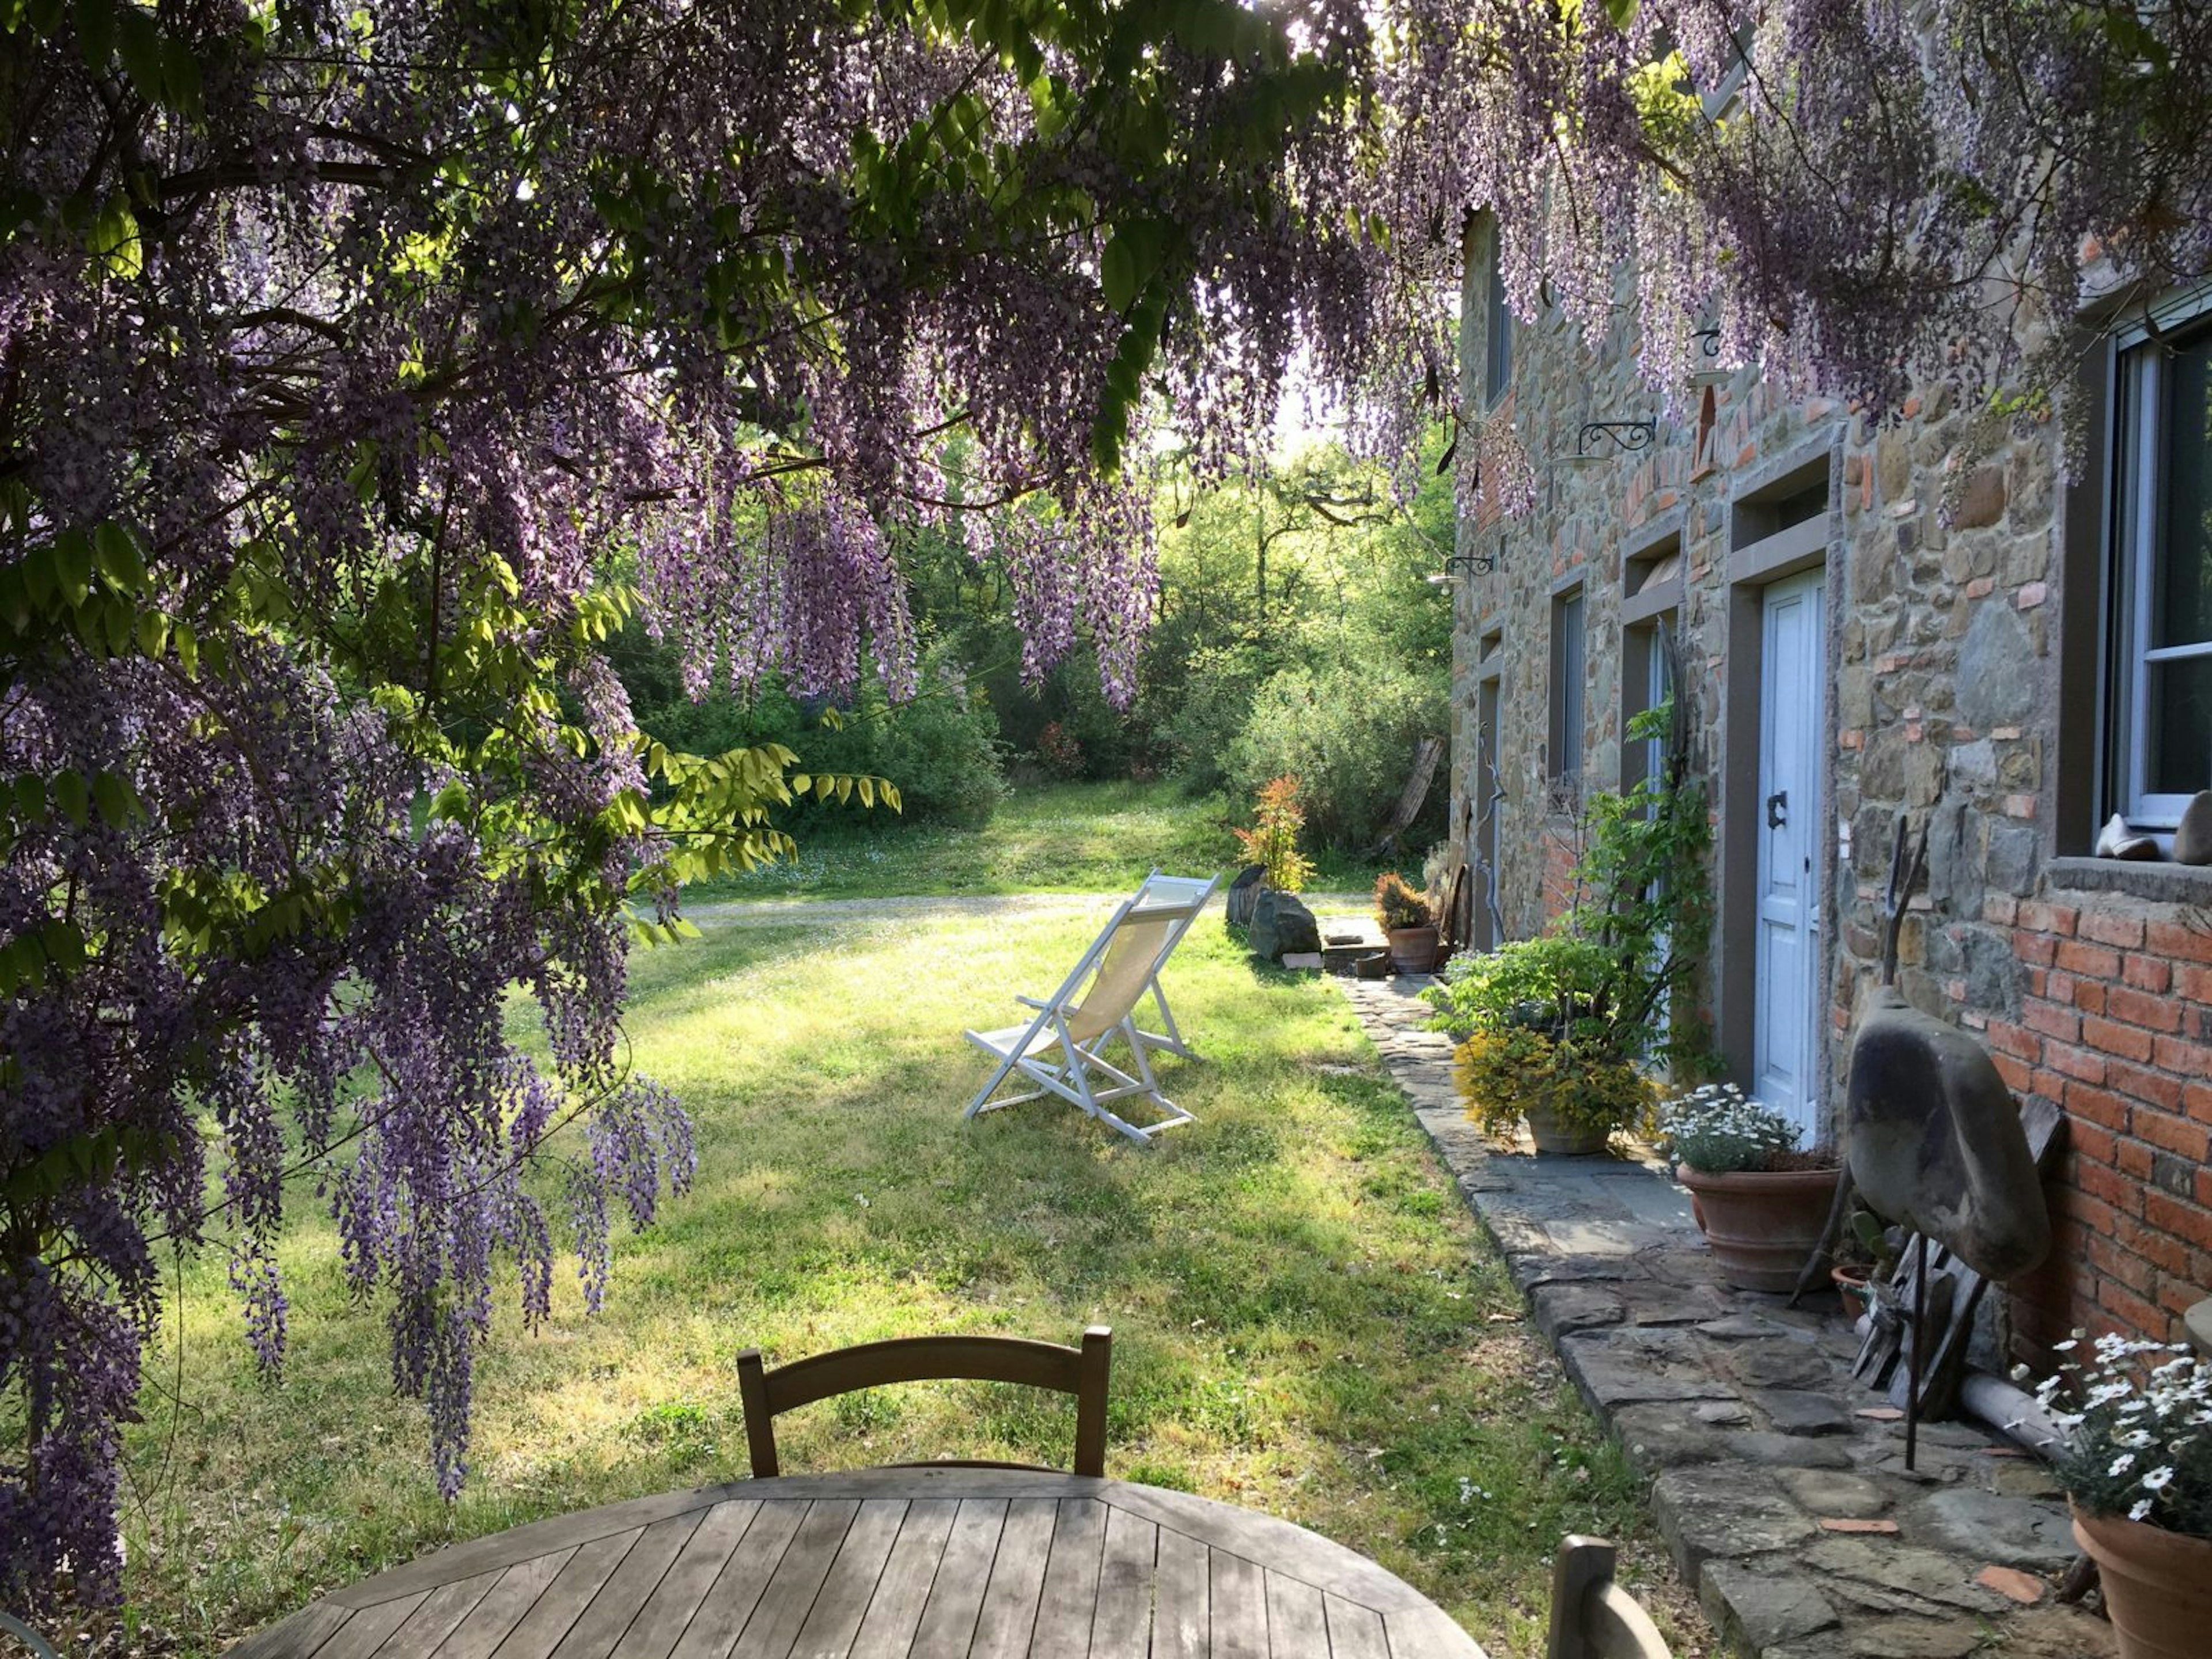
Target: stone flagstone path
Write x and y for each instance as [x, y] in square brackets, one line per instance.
[1787, 1507]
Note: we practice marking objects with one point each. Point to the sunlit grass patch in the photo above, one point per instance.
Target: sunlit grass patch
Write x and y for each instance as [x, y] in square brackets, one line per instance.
[1044, 838]
[1305, 1319]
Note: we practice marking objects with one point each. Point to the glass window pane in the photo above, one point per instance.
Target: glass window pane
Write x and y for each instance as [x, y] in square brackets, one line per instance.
[1571, 671]
[1498, 330]
[1659, 685]
[2177, 727]
[2181, 593]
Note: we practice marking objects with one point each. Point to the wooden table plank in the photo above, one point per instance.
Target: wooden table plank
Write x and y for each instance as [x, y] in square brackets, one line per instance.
[830, 1629]
[556, 1612]
[365, 1632]
[601, 1624]
[895, 1611]
[1070, 1600]
[502, 1609]
[948, 1622]
[298, 1634]
[441, 1610]
[1297, 1624]
[722, 1616]
[1238, 1590]
[1121, 1628]
[1429, 1632]
[667, 1612]
[1354, 1631]
[1010, 1604]
[504, 1549]
[1322, 1563]
[784, 1605]
[1181, 1615]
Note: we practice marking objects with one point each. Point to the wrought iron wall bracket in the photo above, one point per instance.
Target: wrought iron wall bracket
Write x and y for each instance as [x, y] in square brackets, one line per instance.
[1629, 437]
[1480, 563]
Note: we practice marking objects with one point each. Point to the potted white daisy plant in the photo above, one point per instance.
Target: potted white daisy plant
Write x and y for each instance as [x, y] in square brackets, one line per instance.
[2137, 1464]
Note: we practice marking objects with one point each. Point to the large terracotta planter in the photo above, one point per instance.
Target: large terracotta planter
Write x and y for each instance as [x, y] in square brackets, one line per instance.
[1413, 950]
[2158, 1585]
[1553, 1137]
[1762, 1225]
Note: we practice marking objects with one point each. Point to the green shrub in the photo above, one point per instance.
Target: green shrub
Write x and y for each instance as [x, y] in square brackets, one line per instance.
[1349, 732]
[1211, 706]
[1112, 741]
[941, 749]
[1559, 983]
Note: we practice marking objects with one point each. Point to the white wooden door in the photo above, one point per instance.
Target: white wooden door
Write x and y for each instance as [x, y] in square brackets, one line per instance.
[1489, 930]
[1792, 656]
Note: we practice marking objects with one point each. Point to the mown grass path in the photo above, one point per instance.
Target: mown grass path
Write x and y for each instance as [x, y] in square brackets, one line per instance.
[1306, 1321]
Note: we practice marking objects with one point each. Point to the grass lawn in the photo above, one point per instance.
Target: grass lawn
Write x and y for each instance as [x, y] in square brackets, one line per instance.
[1044, 838]
[1305, 1320]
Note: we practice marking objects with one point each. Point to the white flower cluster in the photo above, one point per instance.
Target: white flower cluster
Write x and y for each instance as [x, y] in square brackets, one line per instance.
[2135, 1418]
[1717, 1128]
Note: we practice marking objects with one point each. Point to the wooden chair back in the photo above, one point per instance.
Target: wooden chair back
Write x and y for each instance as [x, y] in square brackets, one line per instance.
[1081, 1371]
[1593, 1617]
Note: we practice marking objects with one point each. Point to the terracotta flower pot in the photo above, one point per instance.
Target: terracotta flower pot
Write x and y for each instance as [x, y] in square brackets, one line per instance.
[1761, 1224]
[2158, 1584]
[1561, 1139]
[1413, 950]
[1851, 1287]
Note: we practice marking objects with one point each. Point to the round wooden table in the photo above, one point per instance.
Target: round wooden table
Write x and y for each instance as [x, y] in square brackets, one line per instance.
[911, 1563]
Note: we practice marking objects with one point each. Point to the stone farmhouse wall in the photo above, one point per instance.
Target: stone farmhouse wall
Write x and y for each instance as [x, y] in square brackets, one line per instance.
[1962, 685]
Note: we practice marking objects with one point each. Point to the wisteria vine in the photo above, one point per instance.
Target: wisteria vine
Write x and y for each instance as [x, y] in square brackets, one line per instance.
[361, 370]
[1869, 199]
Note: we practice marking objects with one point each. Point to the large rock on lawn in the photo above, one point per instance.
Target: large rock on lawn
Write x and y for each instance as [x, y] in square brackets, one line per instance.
[1280, 924]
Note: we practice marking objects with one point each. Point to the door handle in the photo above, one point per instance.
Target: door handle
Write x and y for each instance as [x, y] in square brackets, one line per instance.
[1777, 808]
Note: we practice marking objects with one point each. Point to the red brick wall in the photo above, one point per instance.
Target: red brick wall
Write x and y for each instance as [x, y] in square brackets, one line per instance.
[2115, 1028]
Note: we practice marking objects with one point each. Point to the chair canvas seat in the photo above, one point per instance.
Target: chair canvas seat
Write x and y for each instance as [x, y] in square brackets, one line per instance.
[1061, 1048]
[1177, 891]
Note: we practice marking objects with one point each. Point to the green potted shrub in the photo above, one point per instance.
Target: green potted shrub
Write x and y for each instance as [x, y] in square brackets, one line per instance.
[1407, 923]
[1761, 1203]
[2136, 1465]
[1540, 1040]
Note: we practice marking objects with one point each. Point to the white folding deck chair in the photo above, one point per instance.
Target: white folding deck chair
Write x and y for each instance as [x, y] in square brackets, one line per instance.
[1159, 890]
[1060, 1050]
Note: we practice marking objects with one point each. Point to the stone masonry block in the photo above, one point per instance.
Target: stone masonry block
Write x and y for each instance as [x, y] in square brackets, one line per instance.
[1725, 1511]
[1759, 1609]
